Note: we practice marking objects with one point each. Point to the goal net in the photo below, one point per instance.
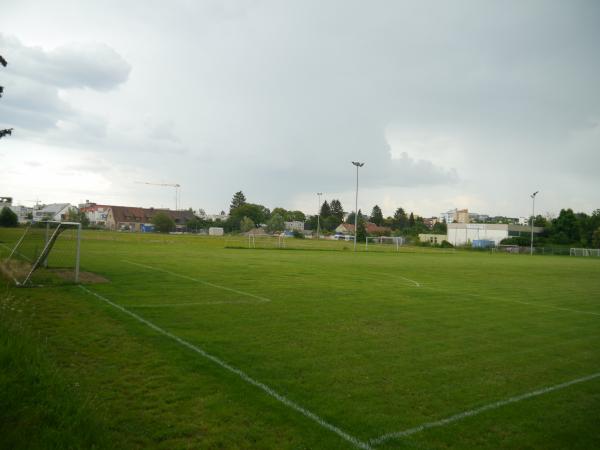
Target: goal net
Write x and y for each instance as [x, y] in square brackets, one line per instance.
[43, 249]
[266, 241]
[584, 252]
[384, 242]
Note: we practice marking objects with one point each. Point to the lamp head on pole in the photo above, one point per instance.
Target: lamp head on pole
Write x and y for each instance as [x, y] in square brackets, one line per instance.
[534, 194]
[358, 164]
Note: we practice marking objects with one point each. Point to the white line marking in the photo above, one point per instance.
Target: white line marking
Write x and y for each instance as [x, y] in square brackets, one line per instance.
[408, 279]
[289, 403]
[166, 305]
[185, 277]
[473, 412]
[541, 305]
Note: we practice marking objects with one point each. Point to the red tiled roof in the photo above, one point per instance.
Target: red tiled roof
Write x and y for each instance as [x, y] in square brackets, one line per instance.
[144, 215]
[370, 226]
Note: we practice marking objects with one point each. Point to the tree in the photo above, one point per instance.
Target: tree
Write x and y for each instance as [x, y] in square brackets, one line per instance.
[258, 213]
[361, 230]
[8, 218]
[163, 222]
[596, 238]
[239, 199]
[297, 215]
[7, 131]
[74, 215]
[337, 210]
[411, 221]
[325, 210]
[440, 228]
[275, 223]
[247, 224]
[400, 219]
[565, 227]
[377, 215]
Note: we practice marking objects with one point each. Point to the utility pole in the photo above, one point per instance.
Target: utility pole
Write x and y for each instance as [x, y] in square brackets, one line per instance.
[357, 164]
[532, 216]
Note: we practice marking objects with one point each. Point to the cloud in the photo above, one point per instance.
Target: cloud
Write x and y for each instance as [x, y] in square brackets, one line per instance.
[78, 65]
[35, 78]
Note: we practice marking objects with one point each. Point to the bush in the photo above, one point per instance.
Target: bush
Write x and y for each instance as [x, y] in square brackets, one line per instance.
[163, 222]
[297, 234]
[8, 218]
[446, 244]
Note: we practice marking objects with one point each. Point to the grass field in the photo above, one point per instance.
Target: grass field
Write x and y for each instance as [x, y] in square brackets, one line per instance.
[191, 344]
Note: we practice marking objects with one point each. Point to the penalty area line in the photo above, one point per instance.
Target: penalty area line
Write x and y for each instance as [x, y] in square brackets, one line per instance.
[167, 305]
[408, 279]
[185, 277]
[476, 411]
[241, 374]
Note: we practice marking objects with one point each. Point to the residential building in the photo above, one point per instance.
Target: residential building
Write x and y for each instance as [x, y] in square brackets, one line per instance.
[432, 238]
[430, 221]
[372, 229]
[294, 225]
[53, 211]
[95, 213]
[127, 218]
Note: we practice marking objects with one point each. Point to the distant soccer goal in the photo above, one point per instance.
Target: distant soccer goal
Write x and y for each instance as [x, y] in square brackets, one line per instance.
[48, 246]
[266, 241]
[584, 252]
[391, 242]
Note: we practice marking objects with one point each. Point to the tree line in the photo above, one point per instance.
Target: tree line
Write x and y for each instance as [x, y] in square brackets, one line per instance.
[569, 228]
[244, 216]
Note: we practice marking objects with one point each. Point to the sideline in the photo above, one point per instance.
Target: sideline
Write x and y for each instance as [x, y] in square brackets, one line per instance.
[269, 391]
[476, 411]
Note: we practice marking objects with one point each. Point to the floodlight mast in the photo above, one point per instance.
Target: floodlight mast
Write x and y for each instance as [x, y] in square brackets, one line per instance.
[357, 164]
[532, 217]
[319, 215]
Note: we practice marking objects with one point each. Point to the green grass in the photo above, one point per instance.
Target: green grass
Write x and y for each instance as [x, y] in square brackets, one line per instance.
[350, 337]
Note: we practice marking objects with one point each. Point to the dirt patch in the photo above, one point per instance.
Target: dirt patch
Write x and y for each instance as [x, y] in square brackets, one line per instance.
[84, 277]
[15, 270]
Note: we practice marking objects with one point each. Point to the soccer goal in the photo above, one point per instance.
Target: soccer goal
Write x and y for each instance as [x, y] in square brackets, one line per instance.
[584, 252]
[47, 246]
[384, 242]
[266, 241]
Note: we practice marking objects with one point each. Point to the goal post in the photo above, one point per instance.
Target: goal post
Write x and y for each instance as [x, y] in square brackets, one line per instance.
[391, 242]
[266, 240]
[584, 252]
[46, 245]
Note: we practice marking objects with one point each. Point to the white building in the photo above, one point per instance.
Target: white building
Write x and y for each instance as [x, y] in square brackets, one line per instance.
[24, 213]
[54, 211]
[463, 233]
[215, 231]
[294, 225]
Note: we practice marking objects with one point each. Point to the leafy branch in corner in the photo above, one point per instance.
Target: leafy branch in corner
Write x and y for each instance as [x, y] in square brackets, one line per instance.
[7, 131]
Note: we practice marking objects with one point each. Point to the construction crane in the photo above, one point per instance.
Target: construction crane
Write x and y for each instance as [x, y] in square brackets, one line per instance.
[174, 185]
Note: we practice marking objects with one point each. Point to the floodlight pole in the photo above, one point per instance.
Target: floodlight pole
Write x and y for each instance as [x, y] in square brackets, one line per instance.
[532, 217]
[357, 164]
[319, 215]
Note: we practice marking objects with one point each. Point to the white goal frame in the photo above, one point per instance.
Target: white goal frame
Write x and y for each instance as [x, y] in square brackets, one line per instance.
[252, 238]
[397, 241]
[50, 240]
[584, 252]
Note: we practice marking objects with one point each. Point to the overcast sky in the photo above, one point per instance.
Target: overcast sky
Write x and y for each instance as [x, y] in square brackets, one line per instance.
[468, 104]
